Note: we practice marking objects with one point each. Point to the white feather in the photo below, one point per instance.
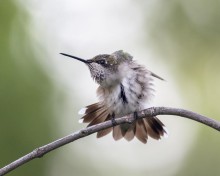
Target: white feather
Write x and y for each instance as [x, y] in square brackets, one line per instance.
[82, 111]
[80, 121]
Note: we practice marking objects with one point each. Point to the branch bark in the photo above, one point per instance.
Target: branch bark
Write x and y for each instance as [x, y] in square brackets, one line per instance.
[147, 113]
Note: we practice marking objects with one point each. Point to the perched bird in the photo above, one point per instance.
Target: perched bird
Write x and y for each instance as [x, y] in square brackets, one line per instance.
[124, 87]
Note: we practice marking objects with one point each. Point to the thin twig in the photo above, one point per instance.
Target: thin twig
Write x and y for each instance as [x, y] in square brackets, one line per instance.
[147, 113]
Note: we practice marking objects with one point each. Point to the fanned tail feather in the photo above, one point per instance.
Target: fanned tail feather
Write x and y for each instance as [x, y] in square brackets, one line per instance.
[117, 133]
[141, 131]
[130, 133]
[106, 131]
[155, 127]
[141, 128]
[95, 114]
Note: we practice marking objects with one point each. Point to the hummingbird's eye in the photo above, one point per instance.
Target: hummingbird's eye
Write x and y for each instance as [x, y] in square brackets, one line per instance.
[102, 62]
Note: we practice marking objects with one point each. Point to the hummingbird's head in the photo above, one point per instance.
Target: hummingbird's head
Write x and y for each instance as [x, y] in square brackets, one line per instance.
[107, 69]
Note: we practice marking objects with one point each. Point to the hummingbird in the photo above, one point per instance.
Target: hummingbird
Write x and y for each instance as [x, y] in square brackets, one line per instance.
[124, 87]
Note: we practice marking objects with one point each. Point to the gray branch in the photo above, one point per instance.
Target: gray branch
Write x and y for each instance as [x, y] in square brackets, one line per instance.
[147, 113]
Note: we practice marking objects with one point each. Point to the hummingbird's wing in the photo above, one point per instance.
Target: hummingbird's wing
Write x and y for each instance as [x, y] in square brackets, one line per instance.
[142, 69]
[156, 76]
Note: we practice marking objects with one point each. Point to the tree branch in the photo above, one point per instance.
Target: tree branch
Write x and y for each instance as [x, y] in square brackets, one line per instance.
[147, 113]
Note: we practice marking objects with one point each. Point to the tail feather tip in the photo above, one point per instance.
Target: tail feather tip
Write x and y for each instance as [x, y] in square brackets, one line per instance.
[80, 121]
[82, 111]
[166, 132]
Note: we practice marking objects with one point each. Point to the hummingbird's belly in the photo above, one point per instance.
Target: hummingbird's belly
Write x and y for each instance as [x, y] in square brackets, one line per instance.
[128, 96]
[123, 109]
[123, 100]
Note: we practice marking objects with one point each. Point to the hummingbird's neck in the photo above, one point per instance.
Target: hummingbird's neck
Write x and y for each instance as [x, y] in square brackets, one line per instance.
[116, 77]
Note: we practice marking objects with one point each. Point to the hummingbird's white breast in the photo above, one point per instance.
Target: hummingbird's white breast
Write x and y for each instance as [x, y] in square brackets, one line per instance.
[129, 90]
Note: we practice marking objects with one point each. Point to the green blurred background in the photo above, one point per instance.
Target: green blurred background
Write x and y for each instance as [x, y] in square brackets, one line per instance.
[184, 37]
[25, 93]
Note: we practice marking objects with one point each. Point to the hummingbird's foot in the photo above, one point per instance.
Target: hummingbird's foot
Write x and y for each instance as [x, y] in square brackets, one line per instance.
[114, 123]
[135, 115]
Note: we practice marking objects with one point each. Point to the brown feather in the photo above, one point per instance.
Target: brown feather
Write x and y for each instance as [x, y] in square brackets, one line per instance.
[159, 125]
[93, 107]
[151, 130]
[93, 114]
[99, 118]
[103, 132]
[106, 131]
[117, 133]
[154, 127]
[144, 129]
[130, 133]
[141, 132]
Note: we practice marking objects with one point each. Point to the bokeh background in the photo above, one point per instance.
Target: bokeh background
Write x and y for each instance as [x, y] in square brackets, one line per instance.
[42, 91]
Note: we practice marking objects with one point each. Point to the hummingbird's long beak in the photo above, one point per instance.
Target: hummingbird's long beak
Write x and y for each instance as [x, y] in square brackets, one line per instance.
[77, 58]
